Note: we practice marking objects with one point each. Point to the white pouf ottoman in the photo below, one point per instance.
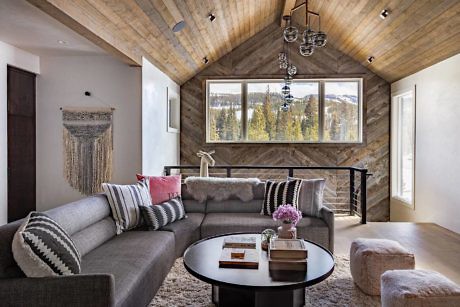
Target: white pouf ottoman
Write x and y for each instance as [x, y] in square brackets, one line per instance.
[410, 288]
[370, 258]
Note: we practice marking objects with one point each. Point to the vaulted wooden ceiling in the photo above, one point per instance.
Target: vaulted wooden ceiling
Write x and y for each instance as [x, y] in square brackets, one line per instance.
[418, 33]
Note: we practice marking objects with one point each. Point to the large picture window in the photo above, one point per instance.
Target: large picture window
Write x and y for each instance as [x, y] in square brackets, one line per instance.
[323, 111]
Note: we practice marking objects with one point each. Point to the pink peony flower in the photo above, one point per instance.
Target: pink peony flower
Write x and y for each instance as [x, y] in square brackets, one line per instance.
[287, 213]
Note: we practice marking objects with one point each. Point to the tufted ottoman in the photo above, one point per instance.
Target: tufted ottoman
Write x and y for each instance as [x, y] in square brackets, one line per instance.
[370, 258]
[418, 288]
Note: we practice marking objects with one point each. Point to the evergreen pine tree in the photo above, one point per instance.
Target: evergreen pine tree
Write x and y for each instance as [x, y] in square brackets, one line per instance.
[281, 125]
[213, 135]
[257, 126]
[296, 130]
[221, 124]
[334, 132]
[310, 123]
[231, 125]
[270, 120]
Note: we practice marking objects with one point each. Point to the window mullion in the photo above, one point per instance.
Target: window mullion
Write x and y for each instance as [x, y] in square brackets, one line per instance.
[321, 112]
[244, 111]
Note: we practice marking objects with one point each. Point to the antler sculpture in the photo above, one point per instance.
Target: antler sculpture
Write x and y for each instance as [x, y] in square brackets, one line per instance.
[206, 160]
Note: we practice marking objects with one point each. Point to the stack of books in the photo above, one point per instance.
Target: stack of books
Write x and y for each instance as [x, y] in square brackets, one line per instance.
[239, 252]
[287, 255]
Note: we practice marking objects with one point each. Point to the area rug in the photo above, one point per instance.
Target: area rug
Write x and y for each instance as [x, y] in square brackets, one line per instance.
[182, 289]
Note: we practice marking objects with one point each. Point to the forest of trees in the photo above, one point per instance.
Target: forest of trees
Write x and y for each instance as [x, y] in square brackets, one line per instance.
[267, 122]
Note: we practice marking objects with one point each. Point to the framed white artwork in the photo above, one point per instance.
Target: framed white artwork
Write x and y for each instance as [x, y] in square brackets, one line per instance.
[173, 111]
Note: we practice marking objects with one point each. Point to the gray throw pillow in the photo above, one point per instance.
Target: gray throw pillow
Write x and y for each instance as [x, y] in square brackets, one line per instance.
[42, 248]
[311, 196]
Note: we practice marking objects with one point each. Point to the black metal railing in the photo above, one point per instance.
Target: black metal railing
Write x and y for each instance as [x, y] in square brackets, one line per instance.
[356, 202]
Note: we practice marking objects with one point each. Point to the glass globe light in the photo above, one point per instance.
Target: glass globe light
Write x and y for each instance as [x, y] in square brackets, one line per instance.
[320, 39]
[284, 65]
[285, 107]
[306, 49]
[285, 90]
[308, 35]
[291, 70]
[290, 34]
[288, 80]
[281, 56]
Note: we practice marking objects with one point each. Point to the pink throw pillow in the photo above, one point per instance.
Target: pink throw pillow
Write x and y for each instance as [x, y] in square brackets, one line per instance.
[163, 188]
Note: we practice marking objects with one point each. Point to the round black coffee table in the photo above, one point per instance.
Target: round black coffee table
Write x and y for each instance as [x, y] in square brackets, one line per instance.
[255, 287]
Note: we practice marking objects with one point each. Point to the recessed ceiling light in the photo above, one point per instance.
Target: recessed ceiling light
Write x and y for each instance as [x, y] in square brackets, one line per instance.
[211, 17]
[370, 59]
[384, 14]
[62, 42]
[178, 26]
[205, 60]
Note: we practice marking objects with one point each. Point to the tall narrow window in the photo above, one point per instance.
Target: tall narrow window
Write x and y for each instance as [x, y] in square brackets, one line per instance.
[403, 146]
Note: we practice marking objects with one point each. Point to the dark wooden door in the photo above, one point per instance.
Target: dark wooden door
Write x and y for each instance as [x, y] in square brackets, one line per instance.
[21, 143]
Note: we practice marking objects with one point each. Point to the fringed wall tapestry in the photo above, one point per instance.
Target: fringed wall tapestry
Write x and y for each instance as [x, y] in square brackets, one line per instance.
[88, 147]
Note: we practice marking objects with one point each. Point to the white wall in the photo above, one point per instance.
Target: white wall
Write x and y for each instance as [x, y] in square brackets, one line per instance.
[437, 159]
[9, 55]
[62, 83]
[159, 147]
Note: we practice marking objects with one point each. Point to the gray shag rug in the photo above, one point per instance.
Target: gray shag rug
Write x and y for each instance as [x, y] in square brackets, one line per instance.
[182, 289]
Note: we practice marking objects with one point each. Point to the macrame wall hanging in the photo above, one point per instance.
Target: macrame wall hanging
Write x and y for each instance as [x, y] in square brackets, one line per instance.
[88, 147]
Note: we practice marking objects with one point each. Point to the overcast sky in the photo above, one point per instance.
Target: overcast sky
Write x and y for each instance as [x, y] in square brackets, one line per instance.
[298, 89]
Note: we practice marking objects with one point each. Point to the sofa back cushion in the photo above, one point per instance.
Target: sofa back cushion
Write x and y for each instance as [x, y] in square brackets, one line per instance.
[190, 204]
[87, 221]
[234, 206]
[80, 214]
[231, 205]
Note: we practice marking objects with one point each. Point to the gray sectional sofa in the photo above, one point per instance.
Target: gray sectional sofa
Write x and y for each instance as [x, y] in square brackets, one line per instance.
[128, 269]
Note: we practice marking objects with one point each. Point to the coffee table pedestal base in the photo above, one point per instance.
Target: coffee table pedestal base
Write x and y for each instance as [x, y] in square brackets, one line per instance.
[229, 297]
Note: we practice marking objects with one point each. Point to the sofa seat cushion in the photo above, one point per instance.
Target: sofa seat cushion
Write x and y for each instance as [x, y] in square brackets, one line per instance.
[309, 228]
[139, 261]
[186, 231]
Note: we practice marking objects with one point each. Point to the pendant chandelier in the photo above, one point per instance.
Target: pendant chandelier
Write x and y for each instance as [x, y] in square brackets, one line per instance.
[310, 40]
[291, 70]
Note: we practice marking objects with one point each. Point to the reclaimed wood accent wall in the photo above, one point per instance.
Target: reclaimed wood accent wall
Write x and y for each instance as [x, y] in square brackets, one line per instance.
[257, 58]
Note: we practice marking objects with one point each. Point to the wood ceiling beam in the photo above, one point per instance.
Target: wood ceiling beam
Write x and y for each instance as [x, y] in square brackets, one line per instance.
[287, 7]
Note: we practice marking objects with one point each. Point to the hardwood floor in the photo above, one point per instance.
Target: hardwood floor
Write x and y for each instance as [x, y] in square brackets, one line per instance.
[435, 248]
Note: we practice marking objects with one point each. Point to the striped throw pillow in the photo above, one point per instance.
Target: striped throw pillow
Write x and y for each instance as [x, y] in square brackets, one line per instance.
[280, 193]
[42, 248]
[125, 201]
[157, 216]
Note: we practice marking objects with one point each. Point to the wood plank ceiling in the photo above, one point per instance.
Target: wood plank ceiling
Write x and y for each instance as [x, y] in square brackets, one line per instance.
[418, 33]
[136, 28]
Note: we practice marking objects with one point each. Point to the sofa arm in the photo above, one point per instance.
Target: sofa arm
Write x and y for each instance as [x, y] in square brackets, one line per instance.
[327, 215]
[75, 290]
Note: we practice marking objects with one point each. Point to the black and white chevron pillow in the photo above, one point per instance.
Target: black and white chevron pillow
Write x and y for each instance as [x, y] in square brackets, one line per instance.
[125, 202]
[157, 216]
[42, 248]
[280, 193]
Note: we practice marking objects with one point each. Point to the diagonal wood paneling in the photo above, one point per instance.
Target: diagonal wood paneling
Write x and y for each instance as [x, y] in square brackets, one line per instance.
[258, 57]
